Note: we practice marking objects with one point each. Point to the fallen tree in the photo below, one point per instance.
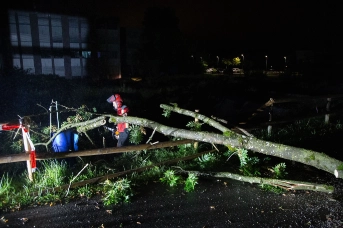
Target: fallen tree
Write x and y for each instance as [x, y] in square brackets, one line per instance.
[230, 138]
[227, 137]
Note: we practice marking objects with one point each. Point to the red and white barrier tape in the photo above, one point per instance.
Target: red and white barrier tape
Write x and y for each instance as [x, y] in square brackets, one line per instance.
[26, 135]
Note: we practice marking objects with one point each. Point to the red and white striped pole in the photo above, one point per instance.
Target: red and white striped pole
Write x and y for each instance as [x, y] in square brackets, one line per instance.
[28, 145]
[29, 148]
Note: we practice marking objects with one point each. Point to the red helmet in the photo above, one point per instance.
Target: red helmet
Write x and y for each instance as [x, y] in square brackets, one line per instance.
[118, 98]
[113, 98]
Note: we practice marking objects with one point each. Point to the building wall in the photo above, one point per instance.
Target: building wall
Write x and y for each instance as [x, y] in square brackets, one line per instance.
[130, 43]
[68, 46]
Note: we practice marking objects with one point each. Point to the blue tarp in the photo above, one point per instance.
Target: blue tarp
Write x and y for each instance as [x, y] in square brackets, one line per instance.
[66, 141]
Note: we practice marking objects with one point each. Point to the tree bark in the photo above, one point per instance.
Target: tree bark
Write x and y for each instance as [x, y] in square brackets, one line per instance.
[80, 127]
[285, 184]
[112, 150]
[308, 157]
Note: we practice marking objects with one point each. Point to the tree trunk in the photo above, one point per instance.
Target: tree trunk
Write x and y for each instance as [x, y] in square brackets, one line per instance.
[308, 157]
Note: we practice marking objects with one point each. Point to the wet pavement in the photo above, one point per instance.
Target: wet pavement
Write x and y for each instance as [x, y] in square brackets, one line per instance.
[214, 203]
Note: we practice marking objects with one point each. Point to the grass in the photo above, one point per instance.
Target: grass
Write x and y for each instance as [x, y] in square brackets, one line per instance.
[207, 161]
[5, 189]
[280, 170]
[53, 174]
[270, 188]
[190, 182]
[170, 178]
[86, 191]
[117, 192]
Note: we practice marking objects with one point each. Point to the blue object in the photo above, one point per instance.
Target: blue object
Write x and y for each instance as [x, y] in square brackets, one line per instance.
[66, 141]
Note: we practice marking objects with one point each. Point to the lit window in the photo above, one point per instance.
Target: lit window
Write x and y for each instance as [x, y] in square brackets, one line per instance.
[86, 54]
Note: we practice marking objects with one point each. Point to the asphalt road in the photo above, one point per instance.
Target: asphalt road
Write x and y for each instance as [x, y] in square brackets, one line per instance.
[214, 203]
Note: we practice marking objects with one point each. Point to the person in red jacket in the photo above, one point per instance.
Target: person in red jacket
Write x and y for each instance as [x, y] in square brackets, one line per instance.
[116, 101]
[123, 128]
[122, 131]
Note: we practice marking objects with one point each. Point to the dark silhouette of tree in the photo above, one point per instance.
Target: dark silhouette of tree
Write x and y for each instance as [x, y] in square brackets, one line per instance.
[162, 48]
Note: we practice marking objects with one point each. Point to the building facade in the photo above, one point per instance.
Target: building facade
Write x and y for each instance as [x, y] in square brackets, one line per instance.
[63, 45]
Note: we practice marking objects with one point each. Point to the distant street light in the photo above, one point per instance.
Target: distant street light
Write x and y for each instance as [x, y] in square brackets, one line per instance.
[243, 60]
[192, 63]
[285, 61]
[266, 62]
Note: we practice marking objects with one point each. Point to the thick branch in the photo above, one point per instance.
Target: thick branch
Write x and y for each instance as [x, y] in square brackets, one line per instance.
[307, 157]
[285, 184]
[81, 127]
[112, 150]
[197, 115]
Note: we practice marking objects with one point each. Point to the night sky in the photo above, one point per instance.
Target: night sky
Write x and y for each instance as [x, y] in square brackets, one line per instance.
[225, 24]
